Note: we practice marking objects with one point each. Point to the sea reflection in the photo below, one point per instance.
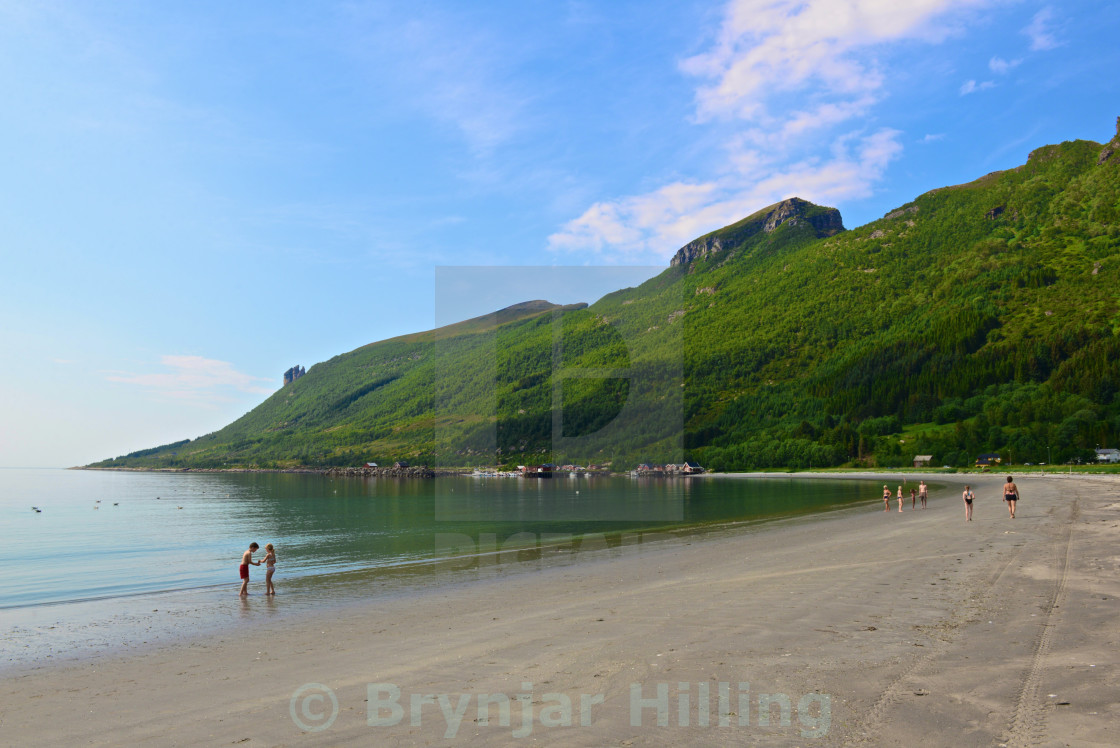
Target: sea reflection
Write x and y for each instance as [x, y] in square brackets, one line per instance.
[159, 532]
[158, 558]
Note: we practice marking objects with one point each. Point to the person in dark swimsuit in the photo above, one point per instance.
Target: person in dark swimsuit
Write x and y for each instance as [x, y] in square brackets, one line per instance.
[1010, 495]
[968, 497]
[923, 493]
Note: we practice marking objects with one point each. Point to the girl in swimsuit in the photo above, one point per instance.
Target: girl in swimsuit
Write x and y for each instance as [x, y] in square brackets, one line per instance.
[913, 498]
[1010, 495]
[900, 498]
[270, 568]
[968, 496]
[886, 499]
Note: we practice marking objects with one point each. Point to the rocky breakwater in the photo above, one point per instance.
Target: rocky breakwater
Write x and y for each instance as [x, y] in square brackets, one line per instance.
[418, 471]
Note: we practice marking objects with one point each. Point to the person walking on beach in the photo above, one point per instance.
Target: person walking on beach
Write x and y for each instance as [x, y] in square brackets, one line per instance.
[270, 568]
[913, 498]
[1010, 495]
[923, 493]
[246, 559]
[900, 498]
[886, 499]
[968, 496]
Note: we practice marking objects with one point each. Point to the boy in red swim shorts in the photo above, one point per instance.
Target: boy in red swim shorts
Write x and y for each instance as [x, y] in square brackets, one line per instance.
[246, 559]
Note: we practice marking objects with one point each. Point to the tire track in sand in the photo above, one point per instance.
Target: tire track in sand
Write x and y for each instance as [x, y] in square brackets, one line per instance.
[866, 729]
[1027, 725]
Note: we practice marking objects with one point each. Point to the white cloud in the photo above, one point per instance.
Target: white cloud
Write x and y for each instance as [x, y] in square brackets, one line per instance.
[1039, 30]
[798, 124]
[194, 378]
[1001, 66]
[637, 226]
[971, 86]
[768, 46]
[828, 55]
[932, 137]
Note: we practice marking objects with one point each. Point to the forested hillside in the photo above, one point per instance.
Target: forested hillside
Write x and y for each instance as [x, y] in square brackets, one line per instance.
[983, 317]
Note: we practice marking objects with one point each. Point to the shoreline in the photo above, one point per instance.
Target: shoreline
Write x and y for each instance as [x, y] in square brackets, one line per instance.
[424, 471]
[958, 477]
[917, 628]
[54, 632]
[421, 471]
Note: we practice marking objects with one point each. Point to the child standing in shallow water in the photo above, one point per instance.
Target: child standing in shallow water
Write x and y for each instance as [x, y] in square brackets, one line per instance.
[886, 499]
[270, 568]
[900, 498]
[246, 559]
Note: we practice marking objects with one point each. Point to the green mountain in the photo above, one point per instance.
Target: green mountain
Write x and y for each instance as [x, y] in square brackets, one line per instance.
[983, 317]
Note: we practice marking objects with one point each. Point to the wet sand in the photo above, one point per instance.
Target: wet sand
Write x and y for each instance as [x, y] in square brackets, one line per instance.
[866, 627]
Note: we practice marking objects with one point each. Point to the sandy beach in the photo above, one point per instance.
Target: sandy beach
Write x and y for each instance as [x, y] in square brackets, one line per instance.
[860, 627]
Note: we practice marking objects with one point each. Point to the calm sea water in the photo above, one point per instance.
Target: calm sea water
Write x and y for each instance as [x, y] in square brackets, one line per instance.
[111, 549]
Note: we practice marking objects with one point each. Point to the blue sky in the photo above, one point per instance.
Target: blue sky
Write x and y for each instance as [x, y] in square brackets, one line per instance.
[196, 196]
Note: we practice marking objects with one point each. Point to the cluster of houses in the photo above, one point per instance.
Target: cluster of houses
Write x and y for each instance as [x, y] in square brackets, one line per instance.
[684, 468]
[549, 469]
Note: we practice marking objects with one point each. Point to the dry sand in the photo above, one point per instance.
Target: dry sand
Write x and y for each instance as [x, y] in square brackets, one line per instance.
[880, 629]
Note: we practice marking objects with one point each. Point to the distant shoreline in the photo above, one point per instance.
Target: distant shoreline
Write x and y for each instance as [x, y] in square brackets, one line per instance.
[350, 472]
[840, 474]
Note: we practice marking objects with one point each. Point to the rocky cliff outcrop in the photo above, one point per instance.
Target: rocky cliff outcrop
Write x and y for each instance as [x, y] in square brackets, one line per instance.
[794, 212]
[293, 374]
[1111, 147]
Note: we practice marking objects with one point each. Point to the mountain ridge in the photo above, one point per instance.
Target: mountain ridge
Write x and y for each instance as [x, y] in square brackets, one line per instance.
[976, 317]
